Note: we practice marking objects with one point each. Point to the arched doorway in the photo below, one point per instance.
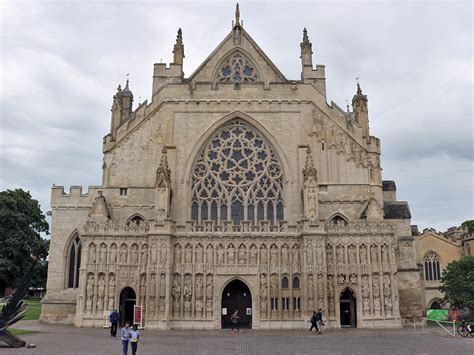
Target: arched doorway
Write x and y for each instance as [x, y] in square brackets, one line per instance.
[348, 308]
[236, 296]
[127, 301]
[435, 305]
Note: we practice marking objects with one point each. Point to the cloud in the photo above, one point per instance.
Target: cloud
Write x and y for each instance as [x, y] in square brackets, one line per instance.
[61, 62]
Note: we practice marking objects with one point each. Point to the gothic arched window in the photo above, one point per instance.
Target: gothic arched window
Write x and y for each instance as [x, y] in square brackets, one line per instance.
[284, 282]
[237, 68]
[296, 282]
[237, 177]
[74, 262]
[432, 268]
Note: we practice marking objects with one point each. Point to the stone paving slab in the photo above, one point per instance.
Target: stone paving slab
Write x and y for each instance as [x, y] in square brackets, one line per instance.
[62, 339]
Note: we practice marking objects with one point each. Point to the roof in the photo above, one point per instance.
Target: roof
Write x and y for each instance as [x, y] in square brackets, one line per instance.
[396, 210]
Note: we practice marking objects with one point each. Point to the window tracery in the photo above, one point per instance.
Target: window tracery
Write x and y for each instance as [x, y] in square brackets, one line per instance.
[74, 262]
[432, 267]
[237, 68]
[237, 177]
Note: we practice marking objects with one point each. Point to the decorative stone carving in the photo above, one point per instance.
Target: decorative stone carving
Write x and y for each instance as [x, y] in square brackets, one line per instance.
[187, 292]
[162, 187]
[274, 286]
[376, 294]
[103, 254]
[296, 256]
[237, 67]
[177, 254]
[220, 255]
[113, 254]
[310, 291]
[363, 254]
[284, 254]
[263, 255]
[153, 254]
[365, 295]
[199, 295]
[374, 259]
[263, 293]
[331, 308]
[210, 255]
[230, 255]
[274, 255]
[89, 293]
[111, 292]
[199, 254]
[310, 188]
[242, 254]
[144, 255]
[92, 254]
[176, 292]
[329, 254]
[340, 254]
[320, 291]
[253, 255]
[163, 292]
[123, 254]
[100, 292]
[384, 253]
[387, 293]
[209, 294]
[142, 290]
[352, 254]
[134, 252]
[188, 254]
[163, 255]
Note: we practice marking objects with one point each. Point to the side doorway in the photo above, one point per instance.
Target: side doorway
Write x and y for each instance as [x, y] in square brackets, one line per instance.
[348, 309]
[127, 301]
[236, 297]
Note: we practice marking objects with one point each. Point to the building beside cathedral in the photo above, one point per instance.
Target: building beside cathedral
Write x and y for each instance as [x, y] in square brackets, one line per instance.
[235, 189]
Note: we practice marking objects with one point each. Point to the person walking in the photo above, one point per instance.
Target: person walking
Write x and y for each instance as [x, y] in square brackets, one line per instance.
[319, 320]
[125, 337]
[235, 321]
[134, 336]
[314, 323]
[114, 319]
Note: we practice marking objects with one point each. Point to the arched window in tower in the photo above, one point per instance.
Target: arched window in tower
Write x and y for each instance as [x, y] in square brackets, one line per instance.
[284, 282]
[296, 282]
[432, 267]
[237, 177]
[74, 262]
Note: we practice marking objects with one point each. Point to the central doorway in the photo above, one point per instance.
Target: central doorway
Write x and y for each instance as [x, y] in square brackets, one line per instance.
[236, 296]
[348, 308]
[127, 301]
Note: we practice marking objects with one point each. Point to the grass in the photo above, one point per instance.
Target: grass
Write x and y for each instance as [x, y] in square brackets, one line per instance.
[34, 309]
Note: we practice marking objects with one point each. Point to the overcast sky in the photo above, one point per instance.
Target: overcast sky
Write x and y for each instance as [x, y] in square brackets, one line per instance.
[61, 62]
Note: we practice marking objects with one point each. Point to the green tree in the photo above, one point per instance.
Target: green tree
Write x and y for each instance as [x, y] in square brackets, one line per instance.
[469, 224]
[21, 225]
[457, 283]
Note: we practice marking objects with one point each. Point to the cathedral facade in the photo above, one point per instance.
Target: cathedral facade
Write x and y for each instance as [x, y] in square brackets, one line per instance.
[235, 189]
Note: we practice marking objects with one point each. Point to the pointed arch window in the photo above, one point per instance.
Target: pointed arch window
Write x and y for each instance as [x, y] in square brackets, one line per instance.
[284, 282]
[237, 177]
[432, 267]
[237, 68]
[296, 282]
[74, 262]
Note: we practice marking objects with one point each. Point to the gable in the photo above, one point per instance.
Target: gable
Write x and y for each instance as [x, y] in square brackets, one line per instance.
[238, 42]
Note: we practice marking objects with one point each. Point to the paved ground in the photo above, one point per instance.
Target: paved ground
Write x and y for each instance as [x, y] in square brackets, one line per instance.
[70, 340]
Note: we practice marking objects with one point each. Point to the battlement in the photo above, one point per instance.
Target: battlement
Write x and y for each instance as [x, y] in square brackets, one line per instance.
[75, 197]
[317, 77]
[163, 74]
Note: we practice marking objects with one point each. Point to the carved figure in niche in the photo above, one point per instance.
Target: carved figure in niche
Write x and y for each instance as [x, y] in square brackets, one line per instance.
[340, 254]
[199, 255]
[365, 294]
[363, 254]
[341, 278]
[284, 255]
[320, 290]
[376, 292]
[296, 255]
[387, 293]
[329, 254]
[353, 278]
[242, 254]
[209, 255]
[163, 254]
[188, 254]
[352, 254]
[230, 254]
[384, 253]
[330, 295]
[199, 295]
[144, 254]
[274, 255]
[103, 254]
[111, 292]
[89, 292]
[253, 254]
[187, 292]
[100, 292]
[310, 286]
[177, 254]
[134, 260]
[142, 289]
[320, 256]
[209, 294]
[113, 254]
[373, 254]
[176, 291]
[152, 305]
[152, 290]
[274, 286]
[220, 255]
[92, 254]
[153, 254]
[263, 293]
[123, 254]
[263, 255]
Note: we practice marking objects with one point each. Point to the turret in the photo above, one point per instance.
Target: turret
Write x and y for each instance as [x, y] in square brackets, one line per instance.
[162, 74]
[360, 108]
[121, 108]
[316, 77]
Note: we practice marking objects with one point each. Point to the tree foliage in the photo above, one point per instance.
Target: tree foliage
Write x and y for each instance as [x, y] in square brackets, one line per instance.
[21, 225]
[457, 283]
[469, 224]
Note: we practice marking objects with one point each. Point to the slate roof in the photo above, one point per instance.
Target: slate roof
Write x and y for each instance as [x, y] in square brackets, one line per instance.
[389, 185]
[396, 210]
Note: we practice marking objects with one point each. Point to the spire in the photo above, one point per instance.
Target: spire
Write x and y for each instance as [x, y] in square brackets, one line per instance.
[360, 109]
[178, 51]
[237, 15]
[309, 171]
[126, 90]
[163, 173]
[306, 50]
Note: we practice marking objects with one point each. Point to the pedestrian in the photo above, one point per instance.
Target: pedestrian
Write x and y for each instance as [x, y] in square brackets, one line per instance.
[319, 320]
[134, 336]
[314, 323]
[235, 321]
[125, 337]
[114, 319]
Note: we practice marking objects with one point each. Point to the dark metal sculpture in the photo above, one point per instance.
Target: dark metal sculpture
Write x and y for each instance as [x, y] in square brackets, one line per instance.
[15, 310]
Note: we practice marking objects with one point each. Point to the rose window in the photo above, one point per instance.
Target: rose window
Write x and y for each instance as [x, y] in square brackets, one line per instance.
[237, 69]
[237, 177]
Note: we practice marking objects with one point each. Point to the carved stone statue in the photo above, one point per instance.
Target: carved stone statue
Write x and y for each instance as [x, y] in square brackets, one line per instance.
[134, 260]
[340, 254]
[103, 254]
[92, 255]
[310, 286]
[329, 257]
[263, 293]
[363, 254]
[242, 255]
[373, 254]
[177, 254]
[296, 255]
[230, 255]
[352, 254]
[376, 292]
[100, 293]
[113, 254]
[188, 254]
[163, 254]
[123, 254]
[365, 294]
[384, 253]
[210, 255]
[253, 254]
[89, 292]
[284, 255]
[274, 286]
[220, 255]
[187, 292]
[144, 254]
[330, 295]
[273, 255]
[387, 293]
[153, 254]
[111, 292]
[152, 289]
[176, 292]
[199, 254]
[209, 294]
[199, 295]
[263, 256]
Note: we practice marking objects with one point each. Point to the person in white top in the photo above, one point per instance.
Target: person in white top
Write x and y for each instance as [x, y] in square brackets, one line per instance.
[134, 336]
